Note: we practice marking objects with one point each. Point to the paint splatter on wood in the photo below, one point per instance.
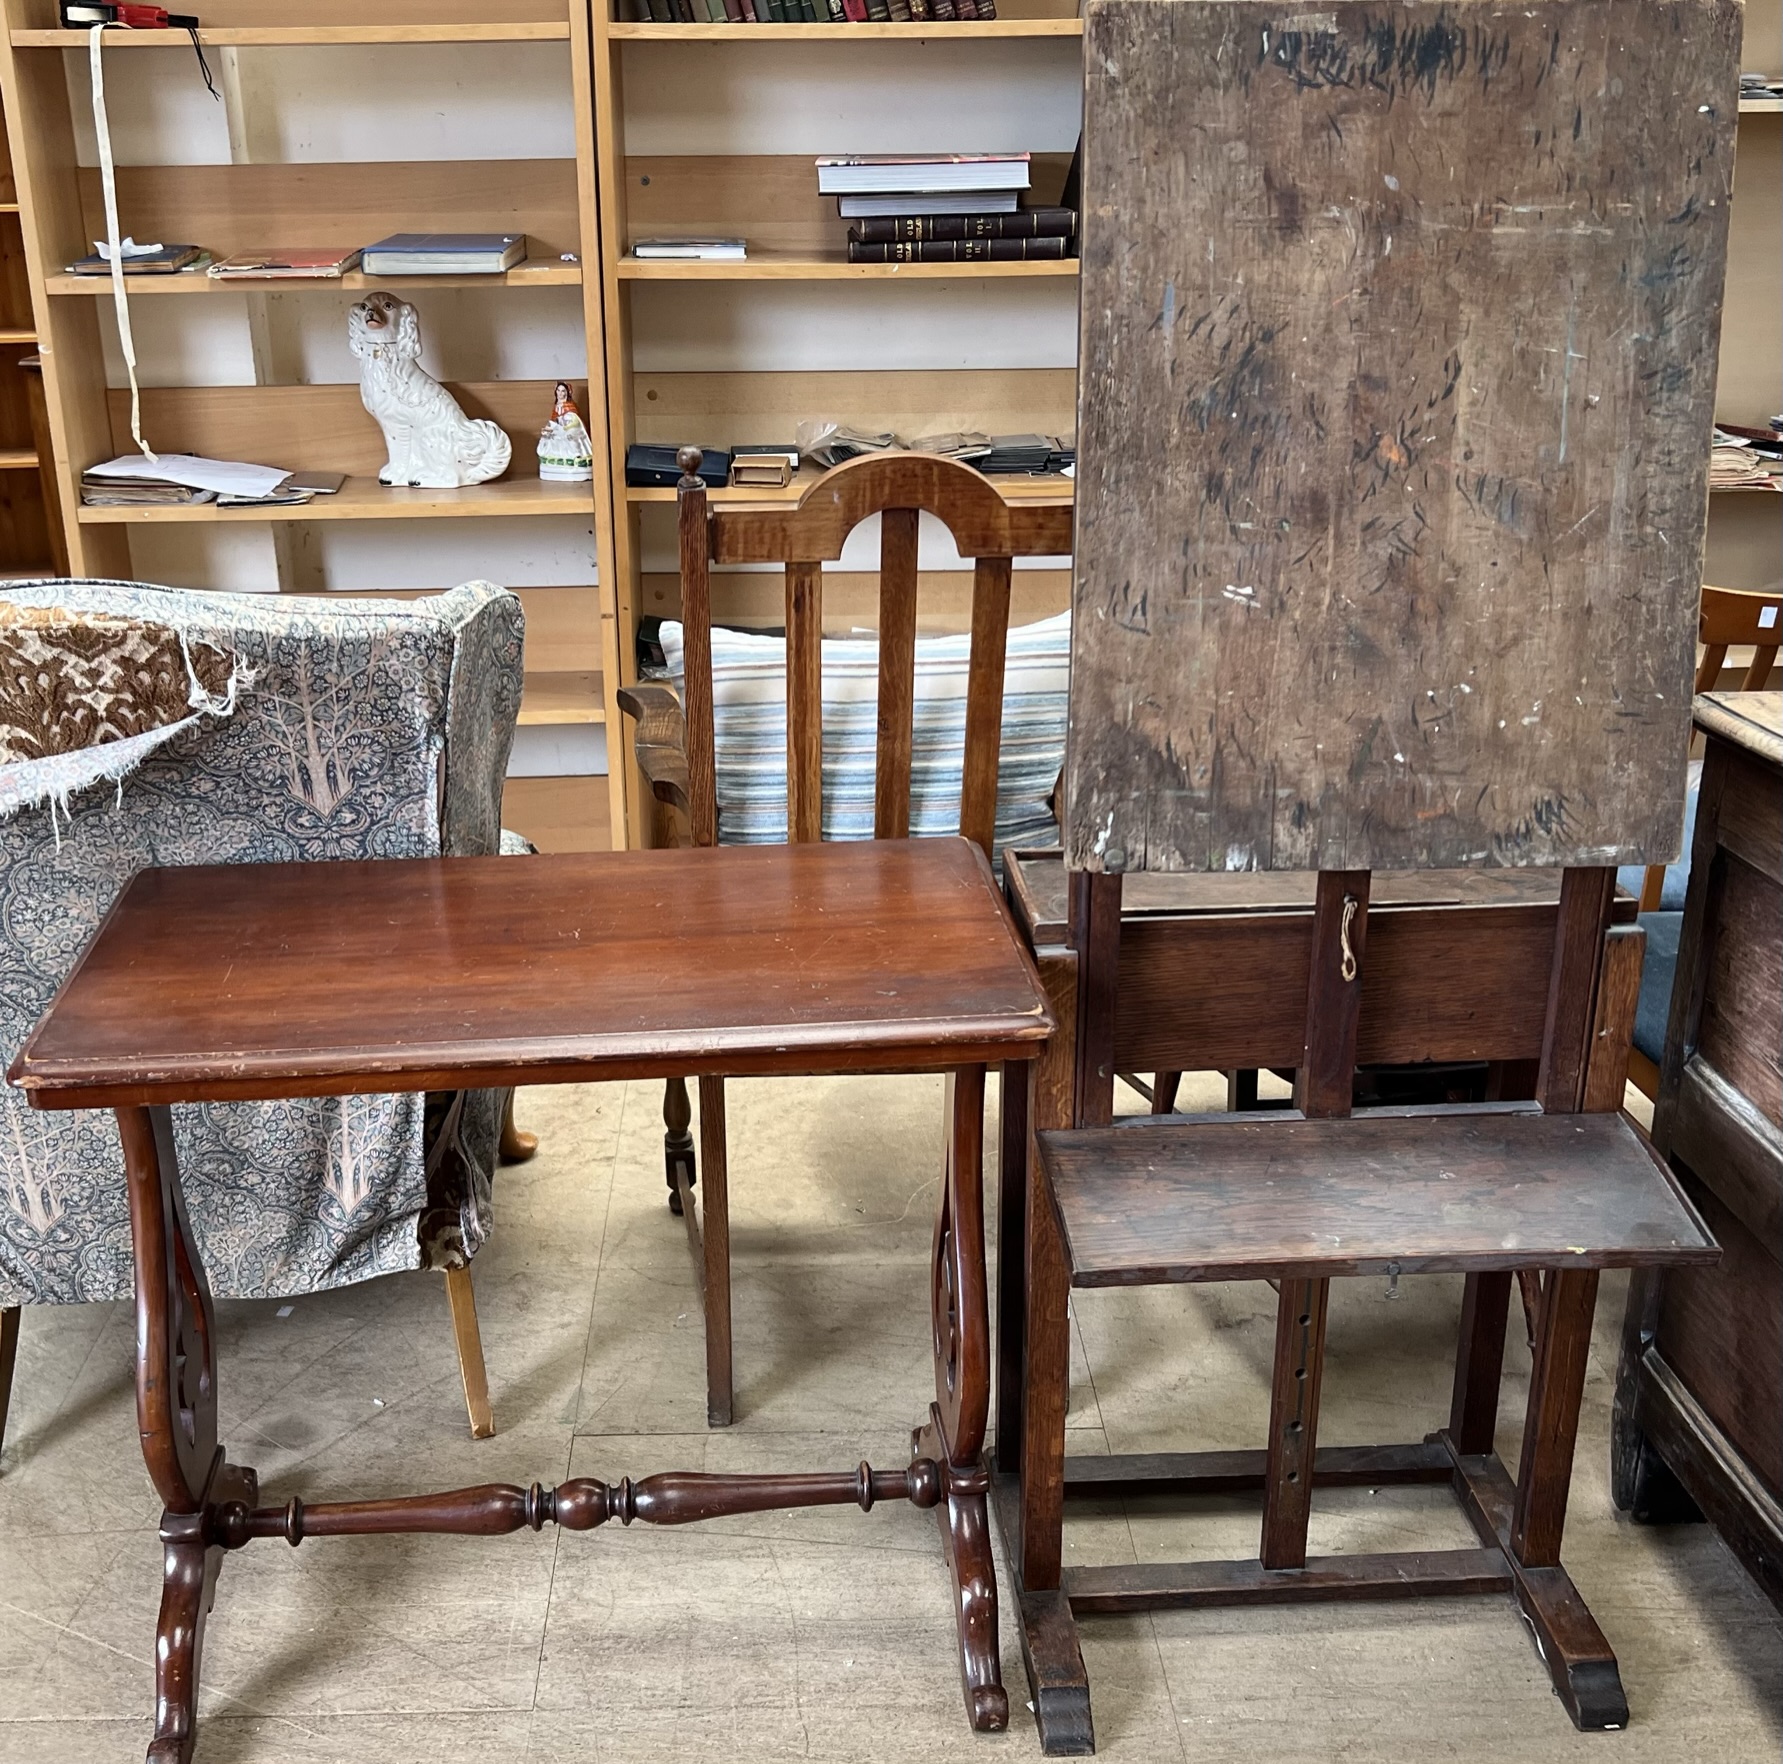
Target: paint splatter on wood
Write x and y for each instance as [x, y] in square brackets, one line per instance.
[1399, 329]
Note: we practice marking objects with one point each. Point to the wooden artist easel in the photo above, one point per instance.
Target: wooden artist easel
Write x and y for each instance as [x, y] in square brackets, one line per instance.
[1397, 370]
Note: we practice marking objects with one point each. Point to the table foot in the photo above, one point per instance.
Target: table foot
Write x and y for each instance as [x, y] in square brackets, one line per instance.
[1057, 1680]
[963, 1517]
[1579, 1658]
[191, 1558]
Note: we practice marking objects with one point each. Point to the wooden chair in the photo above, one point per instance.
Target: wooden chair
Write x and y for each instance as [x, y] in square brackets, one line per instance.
[676, 740]
[1343, 605]
[1730, 618]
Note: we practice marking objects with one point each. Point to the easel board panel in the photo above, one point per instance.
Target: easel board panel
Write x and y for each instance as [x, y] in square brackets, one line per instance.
[1399, 331]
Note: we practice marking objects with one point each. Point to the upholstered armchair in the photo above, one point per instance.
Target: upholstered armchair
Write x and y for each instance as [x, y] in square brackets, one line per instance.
[143, 725]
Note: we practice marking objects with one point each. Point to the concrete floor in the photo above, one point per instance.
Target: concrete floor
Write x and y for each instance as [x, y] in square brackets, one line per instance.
[820, 1634]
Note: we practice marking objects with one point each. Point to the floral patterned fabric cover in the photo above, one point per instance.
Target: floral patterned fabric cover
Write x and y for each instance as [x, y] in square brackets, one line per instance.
[362, 729]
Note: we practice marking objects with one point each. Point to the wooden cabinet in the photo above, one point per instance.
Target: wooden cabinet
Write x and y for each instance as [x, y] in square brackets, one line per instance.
[1699, 1402]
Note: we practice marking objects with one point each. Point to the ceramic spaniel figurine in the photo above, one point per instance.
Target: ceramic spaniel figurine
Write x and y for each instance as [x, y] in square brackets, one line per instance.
[432, 444]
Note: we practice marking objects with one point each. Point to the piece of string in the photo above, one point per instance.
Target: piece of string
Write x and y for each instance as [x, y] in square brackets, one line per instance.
[1348, 966]
[109, 183]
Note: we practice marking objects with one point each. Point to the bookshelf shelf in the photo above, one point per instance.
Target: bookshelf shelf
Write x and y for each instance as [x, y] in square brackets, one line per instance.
[365, 499]
[770, 268]
[936, 31]
[524, 275]
[303, 36]
[1045, 491]
[18, 459]
[1761, 107]
[565, 697]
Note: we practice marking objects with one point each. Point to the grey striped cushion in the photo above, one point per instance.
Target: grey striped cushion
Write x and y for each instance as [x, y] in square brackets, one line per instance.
[749, 698]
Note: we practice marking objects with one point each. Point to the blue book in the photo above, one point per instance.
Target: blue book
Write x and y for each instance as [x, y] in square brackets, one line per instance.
[444, 254]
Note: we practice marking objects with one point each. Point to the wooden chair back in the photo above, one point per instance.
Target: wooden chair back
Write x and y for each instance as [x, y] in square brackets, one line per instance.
[803, 537]
[1730, 618]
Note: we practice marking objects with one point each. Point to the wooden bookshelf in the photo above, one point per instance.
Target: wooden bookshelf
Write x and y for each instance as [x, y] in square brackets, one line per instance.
[1745, 537]
[259, 197]
[30, 532]
[768, 196]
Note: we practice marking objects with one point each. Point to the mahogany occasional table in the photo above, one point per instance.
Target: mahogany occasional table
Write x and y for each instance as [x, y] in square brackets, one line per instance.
[211, 984]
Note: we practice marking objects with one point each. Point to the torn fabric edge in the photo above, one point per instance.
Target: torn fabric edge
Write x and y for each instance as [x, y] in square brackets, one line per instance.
[50, 782]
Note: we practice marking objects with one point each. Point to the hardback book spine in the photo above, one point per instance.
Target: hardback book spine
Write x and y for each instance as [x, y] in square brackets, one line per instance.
[900, 11]
[919, 11]
[733, 11]
[987, 8]
[943, 9]
[967, 9]
[855, 11]
[878, 11]
[838, 14]
[662, 11]
[1025, 223]
[955, 250]
[812, 11]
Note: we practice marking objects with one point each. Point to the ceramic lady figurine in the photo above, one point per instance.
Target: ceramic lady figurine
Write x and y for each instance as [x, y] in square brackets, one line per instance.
[566, 454]
[433, 445]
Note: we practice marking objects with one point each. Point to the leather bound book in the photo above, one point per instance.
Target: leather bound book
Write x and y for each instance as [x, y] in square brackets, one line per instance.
[855, 11]
[878, 11]
[838, 15]
[956, 250]
[900, 11]
[1025, 223]
[733, 11]
[967, 9]
[943, 9]
[919, 11]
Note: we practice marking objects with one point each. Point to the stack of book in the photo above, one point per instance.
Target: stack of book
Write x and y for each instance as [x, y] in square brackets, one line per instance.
[808, 11]
[942, 208]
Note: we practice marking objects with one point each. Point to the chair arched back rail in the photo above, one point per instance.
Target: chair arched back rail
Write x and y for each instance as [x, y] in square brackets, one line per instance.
[677, 745]
[803, 537]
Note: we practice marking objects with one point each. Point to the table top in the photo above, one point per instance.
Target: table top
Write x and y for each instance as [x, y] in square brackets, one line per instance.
[1037, 881]
[1752, 720]
[225, 982]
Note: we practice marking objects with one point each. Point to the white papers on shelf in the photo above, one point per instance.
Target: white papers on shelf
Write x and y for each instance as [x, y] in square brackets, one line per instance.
[225, 477]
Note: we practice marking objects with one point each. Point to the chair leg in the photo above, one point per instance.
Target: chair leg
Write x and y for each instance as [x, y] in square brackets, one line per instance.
[9, 1352]
[516, 1146]
[677, 1142]
[1164, 1088]
[715, 1216]
[462, 1297]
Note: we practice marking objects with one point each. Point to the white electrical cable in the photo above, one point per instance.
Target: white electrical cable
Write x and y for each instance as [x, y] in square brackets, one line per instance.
[109, 182]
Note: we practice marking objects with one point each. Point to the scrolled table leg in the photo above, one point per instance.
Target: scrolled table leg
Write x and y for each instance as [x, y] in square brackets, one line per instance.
[176, 1412]
[955, 1432]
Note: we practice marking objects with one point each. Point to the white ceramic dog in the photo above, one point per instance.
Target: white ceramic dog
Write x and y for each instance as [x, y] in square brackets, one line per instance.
[432, 444]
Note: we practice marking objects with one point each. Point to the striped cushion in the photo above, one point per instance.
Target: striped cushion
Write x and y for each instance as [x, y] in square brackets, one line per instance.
[749, 696]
